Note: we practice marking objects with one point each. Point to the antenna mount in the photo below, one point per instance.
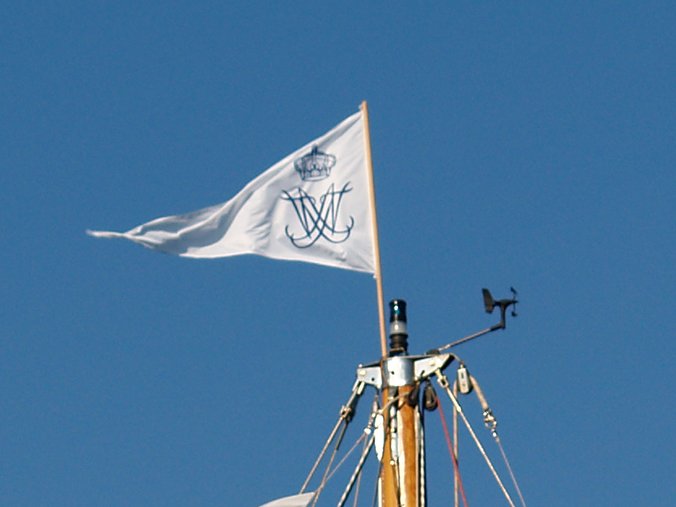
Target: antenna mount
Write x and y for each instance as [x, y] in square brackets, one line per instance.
[489, 305]
[503, 304]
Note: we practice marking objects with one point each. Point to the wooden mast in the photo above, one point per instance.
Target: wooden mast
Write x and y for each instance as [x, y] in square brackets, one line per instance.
[400, 479]
[400, 475]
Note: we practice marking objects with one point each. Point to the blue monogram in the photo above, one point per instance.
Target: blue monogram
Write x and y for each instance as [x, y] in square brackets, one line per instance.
[318, 218]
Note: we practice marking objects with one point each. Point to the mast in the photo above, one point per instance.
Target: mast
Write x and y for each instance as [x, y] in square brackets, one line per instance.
[401, 483]
[395, 426]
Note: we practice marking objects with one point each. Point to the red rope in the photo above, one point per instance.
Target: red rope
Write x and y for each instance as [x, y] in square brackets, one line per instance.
[454, 459]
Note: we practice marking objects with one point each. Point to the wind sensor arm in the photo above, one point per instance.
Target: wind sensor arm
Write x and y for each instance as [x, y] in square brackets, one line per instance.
[489, 305]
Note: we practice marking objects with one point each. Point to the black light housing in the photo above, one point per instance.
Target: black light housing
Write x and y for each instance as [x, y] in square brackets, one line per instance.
[398, 327]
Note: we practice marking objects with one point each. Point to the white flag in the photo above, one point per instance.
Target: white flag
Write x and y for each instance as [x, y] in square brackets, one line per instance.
[312, 206]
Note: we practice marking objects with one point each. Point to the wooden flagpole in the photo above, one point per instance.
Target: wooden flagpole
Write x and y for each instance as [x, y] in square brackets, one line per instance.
[374, 227]
[400, 482]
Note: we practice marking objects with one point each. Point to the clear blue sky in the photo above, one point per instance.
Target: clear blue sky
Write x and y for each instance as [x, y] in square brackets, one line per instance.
[526, 144]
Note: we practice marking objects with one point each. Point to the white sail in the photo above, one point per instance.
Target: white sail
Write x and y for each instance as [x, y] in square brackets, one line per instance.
[302, 500]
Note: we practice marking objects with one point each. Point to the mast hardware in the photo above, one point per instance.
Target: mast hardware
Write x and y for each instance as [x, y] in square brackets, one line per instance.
[398, 371]
[489, 306]
[430, 400]
[464, 383]
[398, 328]
[348, 410]
[394, 425]
[490, 421]
[503, 304]
[370, 375]
[423, 367]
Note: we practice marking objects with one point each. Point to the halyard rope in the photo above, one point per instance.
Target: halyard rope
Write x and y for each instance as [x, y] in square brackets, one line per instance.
[443, 382]
[454, 459]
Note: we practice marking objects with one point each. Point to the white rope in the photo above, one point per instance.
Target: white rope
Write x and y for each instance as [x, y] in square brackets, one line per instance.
[443, 382]
[357, 472]
[456, 476]
[421, 463]
[358, 484]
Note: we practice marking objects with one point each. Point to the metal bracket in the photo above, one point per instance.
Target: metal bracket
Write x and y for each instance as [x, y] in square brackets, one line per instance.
[423, 367]
[370, 375]
[428, 365]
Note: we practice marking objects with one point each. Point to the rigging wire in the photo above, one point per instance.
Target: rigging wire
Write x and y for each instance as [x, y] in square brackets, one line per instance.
[358, 484]
[330, 470]
[454, 459]
[344, 458]
[345, 415]
[325, 478]
[322, 453]
[509, 468]
[357, 472]
[370, 429]
[491, 423]
[443, 382]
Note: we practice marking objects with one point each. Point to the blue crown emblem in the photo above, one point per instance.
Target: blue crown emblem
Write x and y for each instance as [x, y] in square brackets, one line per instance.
[315, 166]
